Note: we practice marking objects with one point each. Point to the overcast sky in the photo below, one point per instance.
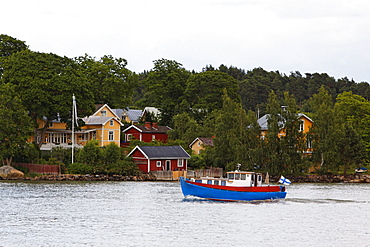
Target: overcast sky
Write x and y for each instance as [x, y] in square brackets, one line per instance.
[325, 36]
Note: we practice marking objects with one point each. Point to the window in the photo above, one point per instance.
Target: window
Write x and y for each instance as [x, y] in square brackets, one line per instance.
[111, 123]
[180, 163]
[103, 113]
[237, 176]
[215, 182]
[209, 181]
[309, 143]
[128, 137]
[153, 137]
[242, 176]
[230, 176]
[110, 136]
[223, 182]
[301, 126]
[159, 163]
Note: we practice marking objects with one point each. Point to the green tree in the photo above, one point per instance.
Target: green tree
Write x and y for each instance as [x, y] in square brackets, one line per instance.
[293, 142]
[352, 149]
[110, 81]
[91, 153]
[184, 128]
[46, 83]
[355, 110]
[16, 125]
[275, 123]
[204, 91]
[236, 133]
[10, 45]
[166, 84]
[326, 131]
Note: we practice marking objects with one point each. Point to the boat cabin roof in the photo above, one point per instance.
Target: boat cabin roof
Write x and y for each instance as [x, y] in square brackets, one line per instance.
[240, 172]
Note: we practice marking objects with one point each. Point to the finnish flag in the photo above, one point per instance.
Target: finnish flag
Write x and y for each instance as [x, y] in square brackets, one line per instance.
[284, 181]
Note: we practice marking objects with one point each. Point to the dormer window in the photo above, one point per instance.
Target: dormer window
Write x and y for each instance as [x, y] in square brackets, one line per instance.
[301, 126]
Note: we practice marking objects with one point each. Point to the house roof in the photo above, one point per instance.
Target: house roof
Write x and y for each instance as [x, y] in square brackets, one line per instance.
[107, 106]
[97, 120]
[162, 152]
[143, 129]
[155, 111]
[205, 141]
[264, 124]
[134, 115]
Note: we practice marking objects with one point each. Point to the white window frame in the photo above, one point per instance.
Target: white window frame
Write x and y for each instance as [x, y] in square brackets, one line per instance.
[111, 123]
[103, 113]
[180, 163]
[158, 163]
[128, 137]
[153, 137]
[111, 135]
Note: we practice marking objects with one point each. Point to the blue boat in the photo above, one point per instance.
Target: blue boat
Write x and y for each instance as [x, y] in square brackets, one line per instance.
[238, 186]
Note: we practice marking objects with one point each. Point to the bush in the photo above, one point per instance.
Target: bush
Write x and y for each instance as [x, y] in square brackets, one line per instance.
[79, 168]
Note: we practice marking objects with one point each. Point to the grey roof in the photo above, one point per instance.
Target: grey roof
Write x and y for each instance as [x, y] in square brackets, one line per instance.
[118, 112]
[164, 152]
[264, 125]
[97, 120]
[134, 115]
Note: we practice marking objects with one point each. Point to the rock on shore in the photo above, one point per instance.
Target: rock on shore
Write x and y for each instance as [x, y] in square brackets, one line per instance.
[8, 172]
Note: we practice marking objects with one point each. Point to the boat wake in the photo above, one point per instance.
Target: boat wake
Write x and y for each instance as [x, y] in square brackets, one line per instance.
[322, 201]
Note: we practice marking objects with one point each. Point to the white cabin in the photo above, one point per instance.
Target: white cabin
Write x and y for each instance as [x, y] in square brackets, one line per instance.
[235, 178]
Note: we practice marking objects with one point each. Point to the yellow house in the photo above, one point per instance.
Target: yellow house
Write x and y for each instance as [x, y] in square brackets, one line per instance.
[200, 144]
[304, 127]
[104, 125]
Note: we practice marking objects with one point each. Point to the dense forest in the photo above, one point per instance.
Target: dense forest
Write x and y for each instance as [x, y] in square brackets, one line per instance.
[223, 103]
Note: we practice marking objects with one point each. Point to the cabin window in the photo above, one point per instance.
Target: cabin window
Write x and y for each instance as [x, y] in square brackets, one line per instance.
[159, 163]
[215, 182]
[180, 163]
[259, 178]
[243, 176]
[237, 176]
[223, 183]
[230, 176]
[110, 136]
[209, 181]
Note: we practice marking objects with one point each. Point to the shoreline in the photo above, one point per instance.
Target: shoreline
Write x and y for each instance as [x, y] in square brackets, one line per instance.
[352, 178]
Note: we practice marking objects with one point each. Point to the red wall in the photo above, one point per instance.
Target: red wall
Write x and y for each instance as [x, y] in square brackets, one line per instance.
[142, 163]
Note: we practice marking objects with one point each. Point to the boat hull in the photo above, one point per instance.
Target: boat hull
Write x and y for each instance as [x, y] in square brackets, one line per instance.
[199, 190]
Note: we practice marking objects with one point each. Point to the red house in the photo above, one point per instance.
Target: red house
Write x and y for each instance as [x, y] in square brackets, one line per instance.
[160, 158]
[146, 133]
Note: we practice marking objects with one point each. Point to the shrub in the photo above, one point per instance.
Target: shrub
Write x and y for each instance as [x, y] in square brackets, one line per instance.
[79, 168]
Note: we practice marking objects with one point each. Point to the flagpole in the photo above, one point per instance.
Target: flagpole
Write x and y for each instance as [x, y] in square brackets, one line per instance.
[73, 126]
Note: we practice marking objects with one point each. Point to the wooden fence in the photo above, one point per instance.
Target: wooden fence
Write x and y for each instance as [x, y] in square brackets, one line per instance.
[175, 175]
[39, 168]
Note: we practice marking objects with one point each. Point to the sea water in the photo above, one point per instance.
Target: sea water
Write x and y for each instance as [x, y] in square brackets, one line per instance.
[157, 214]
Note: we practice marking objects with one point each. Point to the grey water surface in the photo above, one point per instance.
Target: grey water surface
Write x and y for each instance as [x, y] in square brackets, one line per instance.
[156, 214]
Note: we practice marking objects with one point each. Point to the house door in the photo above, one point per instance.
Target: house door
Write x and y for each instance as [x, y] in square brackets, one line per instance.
[168, 165]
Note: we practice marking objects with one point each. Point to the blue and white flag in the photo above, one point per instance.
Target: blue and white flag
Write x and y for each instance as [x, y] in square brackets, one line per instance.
[284, 181]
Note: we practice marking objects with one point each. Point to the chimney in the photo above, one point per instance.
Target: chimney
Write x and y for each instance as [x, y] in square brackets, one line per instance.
[147, 125]
[155, 125]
